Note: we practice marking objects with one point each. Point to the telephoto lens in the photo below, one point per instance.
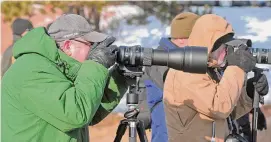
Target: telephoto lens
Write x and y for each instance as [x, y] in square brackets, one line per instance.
[191, 59]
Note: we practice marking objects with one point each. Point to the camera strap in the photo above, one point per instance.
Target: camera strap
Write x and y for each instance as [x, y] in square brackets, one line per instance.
[233, 127]
[213, 132]
[215, 75]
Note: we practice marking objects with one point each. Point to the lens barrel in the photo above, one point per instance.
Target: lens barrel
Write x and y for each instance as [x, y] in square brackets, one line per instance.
[191, 59]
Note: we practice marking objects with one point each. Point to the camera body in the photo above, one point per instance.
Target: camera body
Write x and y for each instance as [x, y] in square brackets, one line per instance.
[262, 55]
[236, 43]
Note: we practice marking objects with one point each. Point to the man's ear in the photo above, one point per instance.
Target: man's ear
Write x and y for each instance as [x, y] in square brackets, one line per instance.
[66, 48]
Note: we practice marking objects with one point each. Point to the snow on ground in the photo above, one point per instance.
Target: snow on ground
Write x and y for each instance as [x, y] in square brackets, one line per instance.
[251, 23]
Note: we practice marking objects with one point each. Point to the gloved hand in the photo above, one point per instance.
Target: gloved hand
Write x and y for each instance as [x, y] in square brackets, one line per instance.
[241, 58]
[261, 121]
[261, 86]
[104, 52]
[106, 43]
[104, 55]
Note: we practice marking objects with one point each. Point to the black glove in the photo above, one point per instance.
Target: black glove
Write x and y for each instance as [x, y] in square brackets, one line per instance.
[261, 86]
[261, 121]
[241, 58]
[104, 53]
[107, 42]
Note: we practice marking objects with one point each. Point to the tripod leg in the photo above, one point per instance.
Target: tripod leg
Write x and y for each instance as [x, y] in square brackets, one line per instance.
[141, 132]
[255, 115]
[254, 124]
[132, 131]
[121, 130]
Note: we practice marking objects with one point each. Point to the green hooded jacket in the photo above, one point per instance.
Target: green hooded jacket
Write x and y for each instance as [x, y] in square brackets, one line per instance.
[48, 96]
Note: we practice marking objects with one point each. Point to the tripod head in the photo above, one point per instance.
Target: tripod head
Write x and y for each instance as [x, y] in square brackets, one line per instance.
[133, 75]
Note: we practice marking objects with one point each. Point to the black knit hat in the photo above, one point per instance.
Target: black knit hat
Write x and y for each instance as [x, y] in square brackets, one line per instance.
[19, 26]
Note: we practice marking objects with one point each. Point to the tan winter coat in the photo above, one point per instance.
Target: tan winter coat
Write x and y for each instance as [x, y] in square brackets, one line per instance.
[194, 101]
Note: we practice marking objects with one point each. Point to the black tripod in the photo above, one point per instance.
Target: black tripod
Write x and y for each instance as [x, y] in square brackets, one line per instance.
[135, 125]
[256, 100]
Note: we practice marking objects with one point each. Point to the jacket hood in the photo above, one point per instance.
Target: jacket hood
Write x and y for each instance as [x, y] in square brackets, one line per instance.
[207, 30]
[37, 41]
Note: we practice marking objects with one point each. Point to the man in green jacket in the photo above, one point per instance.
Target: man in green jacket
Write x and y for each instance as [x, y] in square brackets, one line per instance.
[59, 84]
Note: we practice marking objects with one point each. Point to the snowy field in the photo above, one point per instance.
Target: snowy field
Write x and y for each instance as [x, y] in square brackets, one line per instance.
[253, 23]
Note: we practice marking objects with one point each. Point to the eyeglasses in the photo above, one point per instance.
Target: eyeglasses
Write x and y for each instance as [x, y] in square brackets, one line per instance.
[84, 42]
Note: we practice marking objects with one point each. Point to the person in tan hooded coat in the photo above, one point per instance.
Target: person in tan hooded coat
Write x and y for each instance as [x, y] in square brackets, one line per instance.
[196, 105]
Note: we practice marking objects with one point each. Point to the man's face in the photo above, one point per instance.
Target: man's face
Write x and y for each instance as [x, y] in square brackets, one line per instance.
[180, 42]
[77, 48]
[217, 58]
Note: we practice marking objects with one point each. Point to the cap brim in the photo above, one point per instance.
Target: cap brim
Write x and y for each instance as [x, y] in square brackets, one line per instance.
[95, 37]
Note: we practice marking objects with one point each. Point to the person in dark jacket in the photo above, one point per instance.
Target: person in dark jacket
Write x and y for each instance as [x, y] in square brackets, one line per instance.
[60, 83]
[19, 28]
[245, 125]
[181, 27]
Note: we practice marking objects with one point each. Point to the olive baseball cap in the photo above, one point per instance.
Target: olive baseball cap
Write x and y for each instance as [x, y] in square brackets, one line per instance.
[70, 26]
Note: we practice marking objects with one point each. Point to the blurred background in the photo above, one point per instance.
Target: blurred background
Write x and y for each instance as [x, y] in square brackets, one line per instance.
[144, 23]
